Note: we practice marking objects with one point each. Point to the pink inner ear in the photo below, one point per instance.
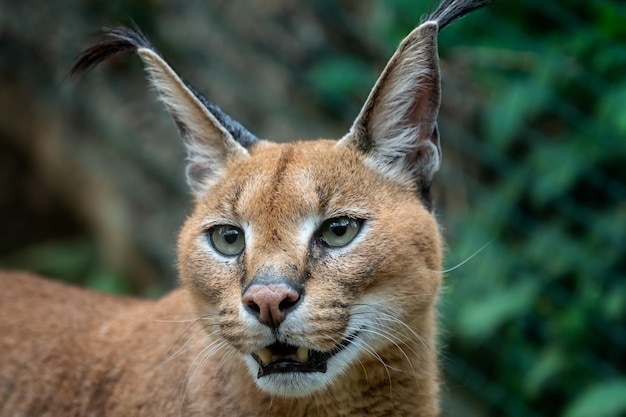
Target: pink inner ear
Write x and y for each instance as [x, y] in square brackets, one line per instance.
[426, 107]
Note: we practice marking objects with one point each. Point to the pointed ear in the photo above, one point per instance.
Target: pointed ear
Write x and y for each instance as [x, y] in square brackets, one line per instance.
[397, 127]
[210, 135]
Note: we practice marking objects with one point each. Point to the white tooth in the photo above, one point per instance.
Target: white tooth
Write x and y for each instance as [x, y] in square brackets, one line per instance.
[265, 355]
[303, 354]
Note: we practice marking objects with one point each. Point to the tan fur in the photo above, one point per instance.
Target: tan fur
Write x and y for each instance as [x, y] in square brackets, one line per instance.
[67, 351]
[363, 312]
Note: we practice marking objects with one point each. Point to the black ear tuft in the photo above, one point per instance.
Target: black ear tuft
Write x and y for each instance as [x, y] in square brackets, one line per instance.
[451, 10]
[116, 41]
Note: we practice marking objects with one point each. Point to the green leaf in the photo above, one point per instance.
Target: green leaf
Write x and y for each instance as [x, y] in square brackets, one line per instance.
[337, 78]
[547, 365]
[558, 166]
[520, 101]
[108, 281]
[601, 400]
[67, 259]
[611, 112]
[480, 319]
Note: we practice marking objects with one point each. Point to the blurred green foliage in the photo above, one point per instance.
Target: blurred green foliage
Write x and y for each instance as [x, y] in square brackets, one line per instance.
[541, 312]
[604, 399]
[76, 261]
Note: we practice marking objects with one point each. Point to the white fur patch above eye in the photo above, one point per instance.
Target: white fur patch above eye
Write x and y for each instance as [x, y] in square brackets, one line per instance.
[307, 229]
[248, 234]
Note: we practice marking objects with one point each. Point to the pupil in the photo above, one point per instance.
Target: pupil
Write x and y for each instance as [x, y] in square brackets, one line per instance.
[230, 236]
[339, 228]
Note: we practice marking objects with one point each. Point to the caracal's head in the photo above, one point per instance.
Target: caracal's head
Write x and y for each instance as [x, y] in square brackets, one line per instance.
[312, 260]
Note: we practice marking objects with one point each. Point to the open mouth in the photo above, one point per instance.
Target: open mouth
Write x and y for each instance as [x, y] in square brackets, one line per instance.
[282, 358]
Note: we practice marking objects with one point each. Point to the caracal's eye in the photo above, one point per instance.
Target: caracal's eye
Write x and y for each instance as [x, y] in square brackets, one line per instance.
[227, 240]
[339, 231]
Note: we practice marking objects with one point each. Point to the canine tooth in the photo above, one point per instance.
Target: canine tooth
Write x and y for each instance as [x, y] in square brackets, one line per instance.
[302, 354]
[265, 355]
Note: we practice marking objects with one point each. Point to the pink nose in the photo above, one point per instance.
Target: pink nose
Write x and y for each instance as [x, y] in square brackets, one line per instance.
[270, 303]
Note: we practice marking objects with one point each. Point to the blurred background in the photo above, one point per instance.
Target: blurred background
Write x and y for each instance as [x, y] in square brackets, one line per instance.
[531, 196]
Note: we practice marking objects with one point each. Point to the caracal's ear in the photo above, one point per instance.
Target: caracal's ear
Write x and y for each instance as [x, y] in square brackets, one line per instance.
[209, 134]
[397, 127]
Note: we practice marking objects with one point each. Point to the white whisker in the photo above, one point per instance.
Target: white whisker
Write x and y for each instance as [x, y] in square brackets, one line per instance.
[175, 321]
[367, 348]
[269, 407]
[457, 266]
[197, 362]
[393, 319]
[385, 300]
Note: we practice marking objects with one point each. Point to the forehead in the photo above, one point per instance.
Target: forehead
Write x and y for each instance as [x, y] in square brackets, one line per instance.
[294, 179]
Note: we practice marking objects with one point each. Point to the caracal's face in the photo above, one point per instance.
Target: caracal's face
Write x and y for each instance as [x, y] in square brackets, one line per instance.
[361, 252]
